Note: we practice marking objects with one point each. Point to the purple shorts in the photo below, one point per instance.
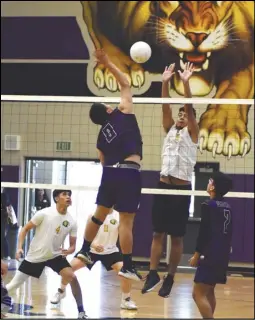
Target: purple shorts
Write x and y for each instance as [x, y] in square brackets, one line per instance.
[210, 275]
[120, 188]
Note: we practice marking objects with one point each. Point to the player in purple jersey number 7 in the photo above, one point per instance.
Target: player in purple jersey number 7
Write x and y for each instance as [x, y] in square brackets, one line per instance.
[213, 244]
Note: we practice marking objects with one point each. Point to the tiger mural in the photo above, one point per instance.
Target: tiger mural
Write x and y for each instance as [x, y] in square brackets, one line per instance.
[216, 36]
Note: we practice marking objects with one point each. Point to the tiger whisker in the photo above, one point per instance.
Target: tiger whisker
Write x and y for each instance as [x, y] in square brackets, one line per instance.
[162, 41]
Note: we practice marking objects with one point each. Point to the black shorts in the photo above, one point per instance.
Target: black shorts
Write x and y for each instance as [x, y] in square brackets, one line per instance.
[170, 213]
[35, 269]
[120, 188]
[210, 275]
[107, 260]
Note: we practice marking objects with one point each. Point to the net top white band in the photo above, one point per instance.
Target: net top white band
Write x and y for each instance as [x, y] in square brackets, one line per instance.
[71, 99]
[144, 190]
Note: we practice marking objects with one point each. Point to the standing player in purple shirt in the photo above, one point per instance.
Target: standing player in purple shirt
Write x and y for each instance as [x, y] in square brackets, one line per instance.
[120, 152]
[213, 244]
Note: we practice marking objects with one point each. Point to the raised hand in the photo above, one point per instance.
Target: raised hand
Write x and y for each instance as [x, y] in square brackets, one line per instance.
[168, 73]
[187, 72]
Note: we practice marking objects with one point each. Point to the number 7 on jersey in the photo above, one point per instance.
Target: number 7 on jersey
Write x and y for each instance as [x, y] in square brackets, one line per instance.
[227, 215]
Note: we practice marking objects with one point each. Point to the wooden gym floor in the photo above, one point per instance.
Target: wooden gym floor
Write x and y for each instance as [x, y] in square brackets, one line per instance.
[101, 296]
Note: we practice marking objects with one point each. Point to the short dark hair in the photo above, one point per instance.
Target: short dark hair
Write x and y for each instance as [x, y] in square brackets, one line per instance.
[57, 192]
[222, 182]
[98, 113]
[183, 109]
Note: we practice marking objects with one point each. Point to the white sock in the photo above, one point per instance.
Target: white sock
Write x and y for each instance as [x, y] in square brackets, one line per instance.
[125, 296]
[17, 280]
[63, 287]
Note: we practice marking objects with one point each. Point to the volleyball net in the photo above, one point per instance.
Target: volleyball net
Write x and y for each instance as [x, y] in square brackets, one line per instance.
[47, 135]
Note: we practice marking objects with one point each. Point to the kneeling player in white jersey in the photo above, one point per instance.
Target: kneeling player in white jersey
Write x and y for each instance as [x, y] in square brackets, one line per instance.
[103, 249]
[170, 213]
[52, 225]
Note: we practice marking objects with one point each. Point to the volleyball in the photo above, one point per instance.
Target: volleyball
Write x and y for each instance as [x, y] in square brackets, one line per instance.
[140, 52]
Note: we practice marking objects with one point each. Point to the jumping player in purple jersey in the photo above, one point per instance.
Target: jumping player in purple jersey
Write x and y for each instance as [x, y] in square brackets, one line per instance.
[120, 152]
[213, 244]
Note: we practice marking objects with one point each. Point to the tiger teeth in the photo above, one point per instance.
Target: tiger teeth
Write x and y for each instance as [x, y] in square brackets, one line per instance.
[208, 54]
[205, 65]
[182, 64]
[181, 54]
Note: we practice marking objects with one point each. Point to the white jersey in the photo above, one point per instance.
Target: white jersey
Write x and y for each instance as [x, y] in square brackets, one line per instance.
[179, 154]
[51, 230]
[107, 235]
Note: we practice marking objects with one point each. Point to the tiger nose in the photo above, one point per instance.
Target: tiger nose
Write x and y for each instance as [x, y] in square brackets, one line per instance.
[196, 38]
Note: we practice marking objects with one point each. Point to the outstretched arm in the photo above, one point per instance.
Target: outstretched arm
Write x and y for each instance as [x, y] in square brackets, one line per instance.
[167, 120]
[22, 235]
[192, 122]
[126, 103]
[33, 223]
[203, 236]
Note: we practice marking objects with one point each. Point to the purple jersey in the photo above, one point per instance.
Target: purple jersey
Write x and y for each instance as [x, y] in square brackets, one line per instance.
[119, 138]
[215, 234]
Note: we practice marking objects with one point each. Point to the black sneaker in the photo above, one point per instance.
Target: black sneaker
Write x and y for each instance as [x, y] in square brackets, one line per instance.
[152, 280]
[84, 256]
[166, 287]
[131, 274]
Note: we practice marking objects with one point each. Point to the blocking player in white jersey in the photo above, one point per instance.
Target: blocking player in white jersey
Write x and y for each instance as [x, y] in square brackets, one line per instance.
[103, 248]
[170, 213]
[52, 225]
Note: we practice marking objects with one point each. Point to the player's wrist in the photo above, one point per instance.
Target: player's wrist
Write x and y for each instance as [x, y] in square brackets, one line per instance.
[185, 82]
[196, 255]
[108, 64]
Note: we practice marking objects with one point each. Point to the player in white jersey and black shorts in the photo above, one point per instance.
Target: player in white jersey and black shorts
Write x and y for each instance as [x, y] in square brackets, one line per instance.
[52, 225]
[104, 249]
[170, 213]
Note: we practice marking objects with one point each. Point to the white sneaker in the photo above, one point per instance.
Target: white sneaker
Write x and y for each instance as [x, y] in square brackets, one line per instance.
[82, 315]
[58, 297]
[128, 304]
[7, 258]
[131, 274]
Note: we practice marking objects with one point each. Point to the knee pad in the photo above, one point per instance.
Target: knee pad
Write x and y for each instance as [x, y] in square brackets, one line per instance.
[96, 221]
